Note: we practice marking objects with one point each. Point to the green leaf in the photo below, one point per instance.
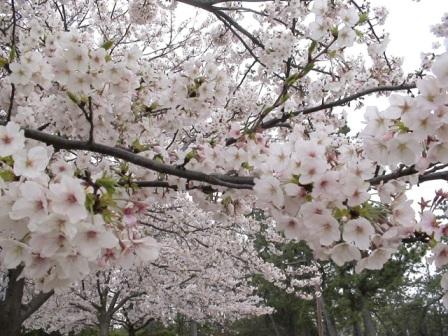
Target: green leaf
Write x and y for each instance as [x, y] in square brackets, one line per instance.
[106, 200]
[191, 155]
[363, 18]
[344, 130]
[73, 98]
[335, 32]
[295, 179]
[359, 33]
[3, 62]
[284, 98]
[137, 147]
[308, 68]
[7, 175]
[339, 213]
[292, 79]
[12, 54]
[402, 128]
[246, 165]
[107, 216]
[90, 202]
[107, 45]
[312, 47]
[107, 183]
[8, 160]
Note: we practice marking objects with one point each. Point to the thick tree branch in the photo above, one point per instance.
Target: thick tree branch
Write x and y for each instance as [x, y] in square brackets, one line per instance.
[237, 182]
[35, 303]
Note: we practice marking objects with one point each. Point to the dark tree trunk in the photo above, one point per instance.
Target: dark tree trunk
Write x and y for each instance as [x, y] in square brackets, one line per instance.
[104, 324]
[356, 329]
[369, 323]
[193, 328]
[291, 327]
[131, 331]
[330, 326]
[10, 308]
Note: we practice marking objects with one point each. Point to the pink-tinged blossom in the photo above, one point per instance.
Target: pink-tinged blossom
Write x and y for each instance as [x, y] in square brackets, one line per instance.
[33, 204]
[291, 227]
[74, 266]
[376, 260]
[21, 73]
[438, 153]
[94, 236]
[402, 212]
[49, 244]
[430, 96]
[313, 208]
[310, 170]
[31, 163]
[440, 255]
[403, 149]
[400, 106]
[267, 189]
[358, 231]
[13, 253]
[68, 198]
[140, 251]
[428, 222]
[326, 186]
[325, 229]
[37, 266]
[376, 150]
[12, 139]
[440, 69]
[377, 122]
[344, 252]
[355, 190]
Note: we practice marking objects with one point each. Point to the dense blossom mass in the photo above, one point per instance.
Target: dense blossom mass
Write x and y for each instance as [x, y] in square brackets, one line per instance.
[139, 149]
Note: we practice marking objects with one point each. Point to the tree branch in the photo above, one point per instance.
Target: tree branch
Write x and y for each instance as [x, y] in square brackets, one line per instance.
[36, 302]
[237, 182]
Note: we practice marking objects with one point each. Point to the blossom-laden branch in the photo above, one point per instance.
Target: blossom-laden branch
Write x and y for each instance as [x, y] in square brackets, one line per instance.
[238, 182]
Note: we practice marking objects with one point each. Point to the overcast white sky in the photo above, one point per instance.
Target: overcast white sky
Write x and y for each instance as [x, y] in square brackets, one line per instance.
[409, 25]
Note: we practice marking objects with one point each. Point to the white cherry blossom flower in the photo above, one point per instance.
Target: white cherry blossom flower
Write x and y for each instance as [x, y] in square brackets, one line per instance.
[358, 231]
[440, 69]
[325, 228]
[440, 255]
[12, 139]
[68, 198]
[344, 252]
[33, 203]
[31, 163]
[378, 258]
[268, 190]
[92, 237]
[21, 73]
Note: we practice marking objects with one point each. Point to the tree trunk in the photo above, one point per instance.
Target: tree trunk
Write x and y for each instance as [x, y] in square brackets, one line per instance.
[131, 331]
[10, 308]
[104, 324]
[328, 320]
[369, 323]
[319, 316]
[193, 328]
[356, 329]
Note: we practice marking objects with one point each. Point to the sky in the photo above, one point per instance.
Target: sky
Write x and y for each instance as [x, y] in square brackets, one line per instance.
[409, 24]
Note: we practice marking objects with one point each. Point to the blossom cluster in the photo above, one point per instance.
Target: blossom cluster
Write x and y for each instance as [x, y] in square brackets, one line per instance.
[49, 223]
